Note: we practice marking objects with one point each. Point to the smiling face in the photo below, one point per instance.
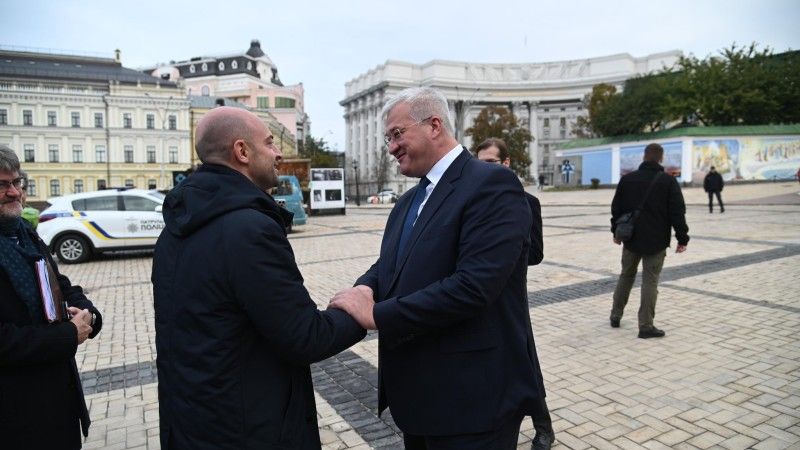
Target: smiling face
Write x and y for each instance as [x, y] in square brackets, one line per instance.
[413, 147]
[11, 199]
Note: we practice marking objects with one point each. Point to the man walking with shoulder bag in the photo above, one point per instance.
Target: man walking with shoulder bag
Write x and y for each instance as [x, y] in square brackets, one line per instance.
[654, 203]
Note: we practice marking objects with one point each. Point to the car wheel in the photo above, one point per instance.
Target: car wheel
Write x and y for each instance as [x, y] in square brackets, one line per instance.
[72, 249]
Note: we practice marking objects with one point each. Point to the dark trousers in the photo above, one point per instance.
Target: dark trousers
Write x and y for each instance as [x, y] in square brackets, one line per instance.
[504, 438]
[542, 422]
[651, 271]
[711, 201]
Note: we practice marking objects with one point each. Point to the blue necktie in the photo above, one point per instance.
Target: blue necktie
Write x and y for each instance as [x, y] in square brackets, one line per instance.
[411, 216]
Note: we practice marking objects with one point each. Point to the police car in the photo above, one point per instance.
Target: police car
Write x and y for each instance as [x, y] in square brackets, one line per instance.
[76, 226]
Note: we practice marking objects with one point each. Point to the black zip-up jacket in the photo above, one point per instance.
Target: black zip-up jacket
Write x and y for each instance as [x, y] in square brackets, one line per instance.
[664, 209]
[713, 182]
[236, 329]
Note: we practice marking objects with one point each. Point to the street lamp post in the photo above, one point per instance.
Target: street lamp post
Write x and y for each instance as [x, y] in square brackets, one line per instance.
[358, 194]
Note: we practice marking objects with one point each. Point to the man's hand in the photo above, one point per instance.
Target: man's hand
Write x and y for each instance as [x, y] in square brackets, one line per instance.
[356, 301]
[82, 320]
[680, 248]
[617, 241]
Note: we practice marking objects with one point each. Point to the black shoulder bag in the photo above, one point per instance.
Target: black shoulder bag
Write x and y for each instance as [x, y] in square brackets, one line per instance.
[623, 231]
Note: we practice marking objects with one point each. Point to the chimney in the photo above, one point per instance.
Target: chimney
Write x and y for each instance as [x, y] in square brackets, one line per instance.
[116, 55]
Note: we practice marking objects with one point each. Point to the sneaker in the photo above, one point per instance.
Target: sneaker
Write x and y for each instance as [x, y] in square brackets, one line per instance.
[614, 323]
[543, 440]
[646, 333]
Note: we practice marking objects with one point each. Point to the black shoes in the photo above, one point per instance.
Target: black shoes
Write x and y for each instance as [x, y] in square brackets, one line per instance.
[646, 333]
[543, 440]
[614, 323]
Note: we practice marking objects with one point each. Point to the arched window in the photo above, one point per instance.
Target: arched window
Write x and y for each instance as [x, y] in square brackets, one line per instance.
[249, 65]
[234, 64]
[204, 67]
[192, 68]
[221, 65]
[205, 91]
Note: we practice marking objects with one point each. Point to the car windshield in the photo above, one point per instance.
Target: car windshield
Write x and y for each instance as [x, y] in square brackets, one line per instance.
[157, 195]
[284, 188]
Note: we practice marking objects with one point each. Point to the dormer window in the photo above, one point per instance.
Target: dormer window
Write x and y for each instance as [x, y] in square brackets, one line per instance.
[234, 65]
[221, 65]
[192, 69]
[204, 67]
[249, 65]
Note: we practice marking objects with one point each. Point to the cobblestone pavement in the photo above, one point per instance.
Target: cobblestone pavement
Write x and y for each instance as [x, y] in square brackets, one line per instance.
[727, 375]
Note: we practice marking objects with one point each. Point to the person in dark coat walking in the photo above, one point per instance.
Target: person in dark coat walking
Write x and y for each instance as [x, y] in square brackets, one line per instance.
[236, 331]
[713, 184]
[41, 398]
[494, 150]
[664, 209]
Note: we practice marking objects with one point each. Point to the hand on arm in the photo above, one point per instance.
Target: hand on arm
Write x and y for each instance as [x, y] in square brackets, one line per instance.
[358, 302]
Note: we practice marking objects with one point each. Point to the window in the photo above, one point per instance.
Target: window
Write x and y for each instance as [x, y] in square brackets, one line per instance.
[76, 119]
[27, 117]
[263, 102]
[547, 110]
[128, 151]
[221, 65]
[30, 153]
[546, 122]
[138, 203]
[77, 186]
[3, 117]
[234, 64]
[51, 119]
[129, 183]
[100, 153]
[205, 91]
[173, 122]
[55, 188]
[192, 69]
[31, 188]
[98, 120]
[105, 203]
[204, 67]
[249, 65]
[173, 155]
[77, 153]
[126, 120]
[151, 121]
[563, 133]
[562, 122]
[101, 184]
[151, 184]
[52, 151]
[284, 102]
[151, 154]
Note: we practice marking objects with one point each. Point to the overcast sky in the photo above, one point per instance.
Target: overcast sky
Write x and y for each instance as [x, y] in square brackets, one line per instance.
[323, 44]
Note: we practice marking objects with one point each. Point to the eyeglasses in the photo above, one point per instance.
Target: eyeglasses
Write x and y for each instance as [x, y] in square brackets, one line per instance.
[397, 133]
[493, 161]
[18, 183]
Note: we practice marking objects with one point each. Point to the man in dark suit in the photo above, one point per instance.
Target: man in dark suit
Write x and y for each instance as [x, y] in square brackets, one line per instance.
[41, 399]
[236, 330]
[448, 293]
[495, 151]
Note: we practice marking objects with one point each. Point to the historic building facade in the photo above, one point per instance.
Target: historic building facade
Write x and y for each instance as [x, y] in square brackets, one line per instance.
[85, 123]
[250, 78]
[547, 97]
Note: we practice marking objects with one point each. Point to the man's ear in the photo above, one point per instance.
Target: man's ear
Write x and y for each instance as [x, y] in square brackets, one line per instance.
[241, 152]
[436, 125]
[507, 162]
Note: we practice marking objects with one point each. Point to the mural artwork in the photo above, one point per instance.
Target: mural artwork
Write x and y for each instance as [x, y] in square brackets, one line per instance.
[762, 158]
[631, 157]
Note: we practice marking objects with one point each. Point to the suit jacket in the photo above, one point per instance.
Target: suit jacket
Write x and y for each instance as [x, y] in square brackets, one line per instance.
[536, 253]
[455, 344]
[41, 398]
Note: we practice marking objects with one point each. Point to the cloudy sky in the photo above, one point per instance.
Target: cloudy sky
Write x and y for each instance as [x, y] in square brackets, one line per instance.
[323, 44]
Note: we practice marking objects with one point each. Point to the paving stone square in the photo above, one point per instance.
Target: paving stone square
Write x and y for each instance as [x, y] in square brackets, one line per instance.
[726, 376]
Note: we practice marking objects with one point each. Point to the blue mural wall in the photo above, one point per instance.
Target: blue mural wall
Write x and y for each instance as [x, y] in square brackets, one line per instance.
[596, 164]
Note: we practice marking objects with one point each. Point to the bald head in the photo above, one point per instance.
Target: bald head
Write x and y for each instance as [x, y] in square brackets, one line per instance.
[219, 129]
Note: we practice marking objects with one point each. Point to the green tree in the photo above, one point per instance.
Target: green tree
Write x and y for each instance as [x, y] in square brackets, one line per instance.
[318, 151]
[594, 103]
[500, 122]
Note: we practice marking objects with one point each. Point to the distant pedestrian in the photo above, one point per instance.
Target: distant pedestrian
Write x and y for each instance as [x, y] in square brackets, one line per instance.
[541, 181]
[798, 174]
[713, 184]
[659, 200]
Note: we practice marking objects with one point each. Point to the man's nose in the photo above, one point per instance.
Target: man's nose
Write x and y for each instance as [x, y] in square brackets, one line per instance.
[14, 191]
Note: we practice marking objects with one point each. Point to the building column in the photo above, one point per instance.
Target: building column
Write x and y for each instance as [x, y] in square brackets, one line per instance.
[533, 147]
